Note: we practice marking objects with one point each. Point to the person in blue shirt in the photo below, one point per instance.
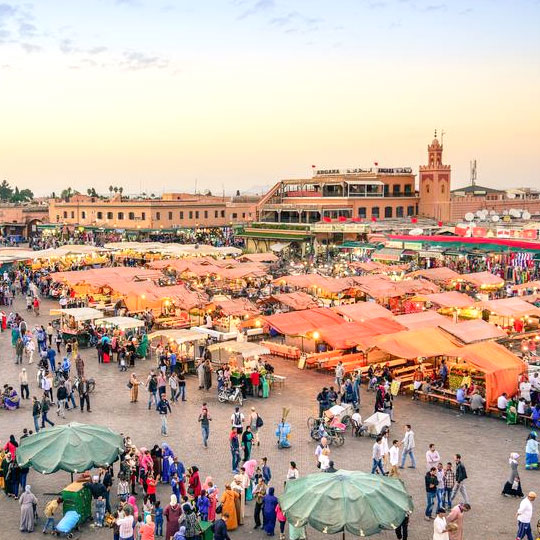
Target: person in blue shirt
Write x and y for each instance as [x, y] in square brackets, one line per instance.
[460, 398]
[158, 519]
[51, 355]
[266, 472]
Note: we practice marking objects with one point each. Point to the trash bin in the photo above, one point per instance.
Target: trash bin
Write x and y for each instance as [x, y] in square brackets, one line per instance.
[78, 497]
[207, 532]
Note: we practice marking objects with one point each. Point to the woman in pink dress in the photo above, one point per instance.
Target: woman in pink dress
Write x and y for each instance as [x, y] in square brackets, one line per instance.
[212, 494]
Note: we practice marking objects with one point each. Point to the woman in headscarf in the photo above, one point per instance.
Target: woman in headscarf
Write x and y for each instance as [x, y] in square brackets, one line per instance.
[247, 442]
[156, 454]
[511, 411]
[11, 446]
[27, 501]
[132, 501]
[194, 485]
[270, 502]
[180, 534]
[229, 506]
[531, 451]
[193, 529]
[240, 502]
[172, 513]
[212, 494]
[168, 458]
[512, 488]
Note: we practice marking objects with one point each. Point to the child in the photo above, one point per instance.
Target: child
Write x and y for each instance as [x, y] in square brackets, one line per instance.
[137, 529]
[175, 485]
[281, 520]
[203, 504]
[116, 527]
[148, 507]
[158, 519]
[100, 511]
[266, 472]
[122, 489]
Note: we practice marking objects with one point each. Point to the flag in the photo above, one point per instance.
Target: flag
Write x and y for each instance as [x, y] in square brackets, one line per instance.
[326, 219]
[439, 223]
[373, 219]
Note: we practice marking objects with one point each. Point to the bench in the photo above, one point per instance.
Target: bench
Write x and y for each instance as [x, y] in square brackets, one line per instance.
[279, 380]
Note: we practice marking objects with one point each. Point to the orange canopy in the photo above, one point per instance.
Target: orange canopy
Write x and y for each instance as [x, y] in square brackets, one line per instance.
[502, 368]
[450, 299]
[483, 278]
[510, 307]
[238, 307]
[362, 311]
[299, 323]
[377, 267]
[296, 301]
[415, 343]
[259, 257]
[355, 334]
[315, 281]
[422, 319]
[532, 285]
[437, 274]
[474, 330]
[380, 286]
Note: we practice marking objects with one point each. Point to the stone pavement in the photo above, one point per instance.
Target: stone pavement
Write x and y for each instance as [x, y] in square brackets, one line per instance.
[485, 443]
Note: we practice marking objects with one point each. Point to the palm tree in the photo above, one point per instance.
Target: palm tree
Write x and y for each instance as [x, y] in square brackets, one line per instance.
[89, 191]
[111, 190]
[116, 189]
[120, 190]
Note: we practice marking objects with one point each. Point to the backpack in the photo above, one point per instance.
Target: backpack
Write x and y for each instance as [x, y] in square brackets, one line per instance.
[237, 419]
[259, 422]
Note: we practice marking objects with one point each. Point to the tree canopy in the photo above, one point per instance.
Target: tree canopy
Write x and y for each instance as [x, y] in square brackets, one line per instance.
[14, 195]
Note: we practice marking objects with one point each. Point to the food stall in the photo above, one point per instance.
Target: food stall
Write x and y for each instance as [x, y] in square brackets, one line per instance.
[184, 343]
[228, 350]
[75, 323]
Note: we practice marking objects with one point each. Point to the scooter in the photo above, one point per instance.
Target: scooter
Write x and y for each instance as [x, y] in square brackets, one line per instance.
[231, 395]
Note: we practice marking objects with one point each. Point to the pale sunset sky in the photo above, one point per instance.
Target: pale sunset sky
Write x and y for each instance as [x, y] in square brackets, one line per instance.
[159, 95]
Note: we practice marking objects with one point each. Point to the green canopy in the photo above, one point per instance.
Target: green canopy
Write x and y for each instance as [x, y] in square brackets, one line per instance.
[71, 447]
[353, 501]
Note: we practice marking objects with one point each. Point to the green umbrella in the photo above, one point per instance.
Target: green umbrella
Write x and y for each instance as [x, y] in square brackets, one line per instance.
[71, 447]
[360, 503]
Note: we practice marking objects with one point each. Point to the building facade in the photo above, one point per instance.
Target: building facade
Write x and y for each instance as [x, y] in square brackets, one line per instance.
[172, 210]
[22, 219]
[359, 194]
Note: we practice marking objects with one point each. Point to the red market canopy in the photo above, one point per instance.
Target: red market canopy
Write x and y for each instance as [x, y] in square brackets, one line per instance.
[380, 286]
[315, 281]
[299, 323]
[362, 311]
[422, 319]
[259, 258]
[530, 285]
[483, 279]
[450, 299]
[412, 344]
[238, 307]
[510, 307]
[296, 301]
[356, 334]
[473, 331]
[438, 274]
[502, 368]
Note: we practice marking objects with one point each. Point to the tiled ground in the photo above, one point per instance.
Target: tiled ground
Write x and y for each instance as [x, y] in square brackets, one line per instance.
[485, 443]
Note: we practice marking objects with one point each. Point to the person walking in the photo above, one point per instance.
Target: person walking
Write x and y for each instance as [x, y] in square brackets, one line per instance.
[220, 528]
[133, 386]
[50, 332]
[524, 516]
[28, 502]
[461, 476]
[234, 444]
[393, 457]
[237, 420]
[377, 456]
[247, 441]
[512, 488]
[19, 350]
[50, 509]
[164, 407]
[456, 516]
[204, 419]
[339, 374]
[408, 448]
[45, 407]
[431, 492]
[61, 399]
[23, 382]
[255, 422]
[84, 394]
[152, 386]
[79, 366]
[36, 412]
[259, 491]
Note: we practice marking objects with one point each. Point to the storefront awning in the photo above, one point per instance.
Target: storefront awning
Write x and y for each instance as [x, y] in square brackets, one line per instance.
[387, 254]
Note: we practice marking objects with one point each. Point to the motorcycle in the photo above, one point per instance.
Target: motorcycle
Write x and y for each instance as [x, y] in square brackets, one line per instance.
[231, 394]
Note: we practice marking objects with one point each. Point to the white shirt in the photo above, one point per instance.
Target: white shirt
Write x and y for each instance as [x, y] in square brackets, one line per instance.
[525, 390]
[525, 511]
[394, 455]
[535, 383]
[377, 451]
[432, 458]
[357, 418]
[408, 440]
[384, 445]
[439, 525]
[324, 461]
[521, 407]
[235, 417]
[292, 474]
[501, 403]
[125, 527]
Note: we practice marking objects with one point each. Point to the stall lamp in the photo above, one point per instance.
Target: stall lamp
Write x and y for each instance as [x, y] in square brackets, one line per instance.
[316, 335]
[258, 323]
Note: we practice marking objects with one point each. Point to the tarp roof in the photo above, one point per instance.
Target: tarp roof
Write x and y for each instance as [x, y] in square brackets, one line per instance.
[316, 281]
[356, 334]
[438, 274]
[533, 285]
[362, 311]
[246, 348]
[411, 344]
[473, 330]
[483, 278]
[122, 323]
[381, 286]
[450, 299]
[510, 307]
[82, 313]
[422, 319]
[296, 300]
[378, 268]
[298, 323]
[180, 336]
[259, 257]
[502, 367]
[237, 307]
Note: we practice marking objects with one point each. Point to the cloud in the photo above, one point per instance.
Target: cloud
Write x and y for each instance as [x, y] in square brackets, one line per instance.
[97, 50]
[137, 60]
[7, 11]
[30, 48]
[294, 21]
[434, 7]
[27, 30]
[258, 7]
[67, 46]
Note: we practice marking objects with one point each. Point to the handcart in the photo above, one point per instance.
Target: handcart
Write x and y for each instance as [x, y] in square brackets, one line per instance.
[377, 423]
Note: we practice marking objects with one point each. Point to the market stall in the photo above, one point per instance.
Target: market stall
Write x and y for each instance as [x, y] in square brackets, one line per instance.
[76, 322]
[513, 314]
[183, 343]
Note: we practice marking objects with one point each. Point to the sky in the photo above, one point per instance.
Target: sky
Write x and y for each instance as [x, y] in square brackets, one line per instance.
[175, 95]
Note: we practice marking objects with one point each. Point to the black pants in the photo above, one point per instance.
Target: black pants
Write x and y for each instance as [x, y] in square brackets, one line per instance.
[25, 393]
[257, 514]
[402, 532]
[85, 398]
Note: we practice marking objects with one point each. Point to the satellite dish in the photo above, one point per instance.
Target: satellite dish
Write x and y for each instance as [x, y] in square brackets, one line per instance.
[479, 213]
[416, 232]
[492, 212]
[526, 215]
[495, 218]
[505, 212]
[469, 216]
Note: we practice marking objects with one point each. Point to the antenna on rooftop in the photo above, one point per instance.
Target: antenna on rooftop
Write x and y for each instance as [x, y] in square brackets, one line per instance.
[443, 133]
[473, 172]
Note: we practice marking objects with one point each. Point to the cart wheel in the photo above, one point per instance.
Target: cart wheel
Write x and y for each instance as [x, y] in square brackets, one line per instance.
[315, 435]
[346, 420]
[70, 535]
[311, 423]
[339, 439]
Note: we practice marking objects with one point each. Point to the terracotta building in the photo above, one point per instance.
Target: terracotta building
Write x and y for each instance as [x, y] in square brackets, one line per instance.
[172, 210]
[22, 219]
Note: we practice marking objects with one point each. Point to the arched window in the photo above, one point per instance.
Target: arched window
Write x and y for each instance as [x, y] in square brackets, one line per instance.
[427, 188]
[375, 212]
[399, 211]
[442, 189]
[387, 211]
[362, 213]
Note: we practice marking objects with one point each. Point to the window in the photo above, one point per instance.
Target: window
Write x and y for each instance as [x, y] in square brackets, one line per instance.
[375, 212]
[196, 214]
[181, 215]
[410, 211]
[388, 211]
[442, 189]
[109, 215]
[408, 188]
[72, 214]
[83, 214]
[65, 214]
[223, 213]
[399, 211]
[120, 215]
[206, 214]
[362, 212]
[235, 215]
[395, 189]
[386, 190]
[143, 215]
[100, 215]
[131, 216]
[243, 214]
[170, 216]
[216, 213]
[158, 216]
[190, 214]
[57, 217]
[427, 188]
